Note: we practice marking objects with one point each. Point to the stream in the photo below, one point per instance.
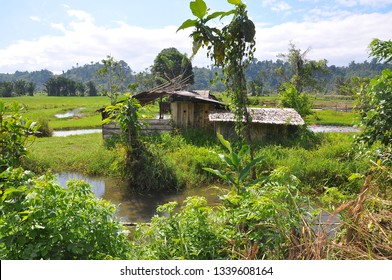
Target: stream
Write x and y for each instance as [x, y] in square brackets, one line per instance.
[141, 207]
[137, 207]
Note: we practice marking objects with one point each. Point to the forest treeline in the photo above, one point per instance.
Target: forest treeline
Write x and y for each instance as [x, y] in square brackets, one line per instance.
[262, 78]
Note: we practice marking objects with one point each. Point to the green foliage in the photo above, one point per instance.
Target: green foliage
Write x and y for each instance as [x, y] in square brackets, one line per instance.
[44, 129]
[192, 233]
[170, 64]
[240, 170]
[381, 50]
[41, 220]
[291, 98]
[351, 86]
[254, 223]
[376, 111]
[62, 86]
[127, 115]
[303, 74]
[15, 134]
[231, 47]
[112, 72]
[91, 89]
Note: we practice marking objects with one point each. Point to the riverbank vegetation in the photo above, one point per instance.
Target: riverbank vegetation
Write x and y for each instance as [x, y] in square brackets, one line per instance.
[280, 188]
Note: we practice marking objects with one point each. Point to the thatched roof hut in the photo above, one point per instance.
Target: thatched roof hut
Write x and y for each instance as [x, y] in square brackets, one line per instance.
[285, 116]
[274, 122]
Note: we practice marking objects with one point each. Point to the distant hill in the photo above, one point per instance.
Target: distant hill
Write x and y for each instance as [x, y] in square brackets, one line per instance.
[83, 74]
[259, 73]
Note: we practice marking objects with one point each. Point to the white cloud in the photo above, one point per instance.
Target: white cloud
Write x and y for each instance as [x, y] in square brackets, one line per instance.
[339, 40]
[368, 3]
[276, 6]
[375, 3]
[347, 3]
[35, 18]
[82, 41]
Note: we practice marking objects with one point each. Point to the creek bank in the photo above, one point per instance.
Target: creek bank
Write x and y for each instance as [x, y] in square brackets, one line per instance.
[135, 207]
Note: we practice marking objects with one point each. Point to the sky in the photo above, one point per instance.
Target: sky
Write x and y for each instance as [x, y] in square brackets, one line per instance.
[60, 34]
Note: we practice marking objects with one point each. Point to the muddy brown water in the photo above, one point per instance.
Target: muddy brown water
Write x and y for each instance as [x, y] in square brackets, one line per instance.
[138, 207]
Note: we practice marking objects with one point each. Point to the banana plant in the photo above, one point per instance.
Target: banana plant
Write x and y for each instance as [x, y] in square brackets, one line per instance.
[239, 169]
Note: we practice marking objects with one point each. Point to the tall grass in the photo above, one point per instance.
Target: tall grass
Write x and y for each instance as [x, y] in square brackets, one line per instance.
[79, 153]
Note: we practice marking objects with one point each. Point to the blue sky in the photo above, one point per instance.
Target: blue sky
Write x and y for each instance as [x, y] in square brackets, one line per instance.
[59, 34]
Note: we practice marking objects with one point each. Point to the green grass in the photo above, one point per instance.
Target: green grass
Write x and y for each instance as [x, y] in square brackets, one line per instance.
[79, 153]
[180, 163]
[332, 117]
[329, 164]
[36, 107]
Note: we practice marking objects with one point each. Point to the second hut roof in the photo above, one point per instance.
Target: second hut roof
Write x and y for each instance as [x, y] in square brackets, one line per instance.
[262, 115]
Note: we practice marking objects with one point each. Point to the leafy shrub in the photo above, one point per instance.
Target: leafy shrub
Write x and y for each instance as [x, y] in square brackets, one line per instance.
[41, 220]
[255, 220]
[376, 111]
[43, 128]
[291, 98]
[14, 135]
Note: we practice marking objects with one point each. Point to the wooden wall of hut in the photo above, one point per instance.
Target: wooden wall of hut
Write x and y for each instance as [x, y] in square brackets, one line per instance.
[186, 114]
[259, 131]
[152, 126]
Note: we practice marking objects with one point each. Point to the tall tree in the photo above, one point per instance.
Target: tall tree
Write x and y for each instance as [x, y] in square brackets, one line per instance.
[169, 64]
[113, 74]
[303, 73]
[302, 76]
[6, 89]
[91, 89]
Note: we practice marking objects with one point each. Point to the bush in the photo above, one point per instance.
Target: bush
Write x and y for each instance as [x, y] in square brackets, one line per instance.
[14, 135]
[291, 98]
[255, 220]
[43, 128]
[41, 220]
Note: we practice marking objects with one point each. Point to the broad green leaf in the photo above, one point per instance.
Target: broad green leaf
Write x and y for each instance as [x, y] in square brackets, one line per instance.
[244, 150]
[215, 15]
[355, 176]
[224, 142]
[231, 180]
[235, 2]
[245, 172]
[186, 24]
[226, 159]
[196, 46]
[199, 8]
[236, 160]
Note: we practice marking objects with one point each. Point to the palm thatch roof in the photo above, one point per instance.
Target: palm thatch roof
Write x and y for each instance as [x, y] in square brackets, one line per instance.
[262, 115]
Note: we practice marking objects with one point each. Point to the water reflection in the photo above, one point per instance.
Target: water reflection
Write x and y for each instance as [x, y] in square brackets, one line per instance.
[137, 207]
[332, 128]
[65, 133]
[74, 113]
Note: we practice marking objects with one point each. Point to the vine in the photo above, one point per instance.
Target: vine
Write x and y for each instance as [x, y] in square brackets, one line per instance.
[232, 47]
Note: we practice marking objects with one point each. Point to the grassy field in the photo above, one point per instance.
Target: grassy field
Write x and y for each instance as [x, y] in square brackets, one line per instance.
[46, 107]
[332, 117]
[79, 153]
